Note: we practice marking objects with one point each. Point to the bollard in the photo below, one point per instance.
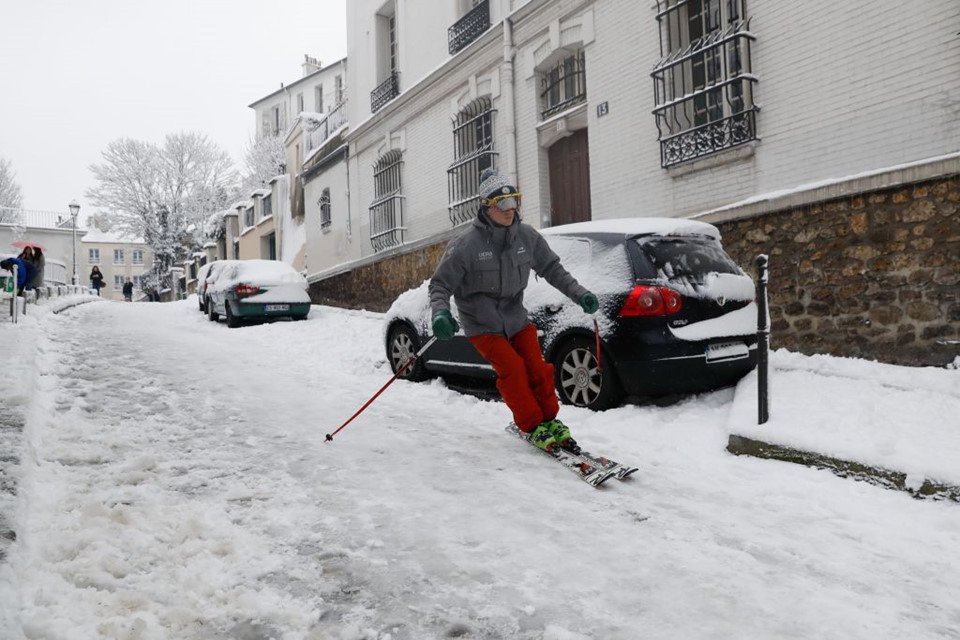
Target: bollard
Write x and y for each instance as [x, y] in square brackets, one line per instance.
[763, 341]
[14, 304]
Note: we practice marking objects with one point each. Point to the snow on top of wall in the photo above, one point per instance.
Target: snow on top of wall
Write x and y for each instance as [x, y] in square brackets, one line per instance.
[260, 192]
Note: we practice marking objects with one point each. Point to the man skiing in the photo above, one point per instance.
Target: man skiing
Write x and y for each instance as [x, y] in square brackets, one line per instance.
[486, 270]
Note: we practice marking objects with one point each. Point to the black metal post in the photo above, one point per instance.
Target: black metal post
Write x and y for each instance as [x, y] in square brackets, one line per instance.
[763, 340]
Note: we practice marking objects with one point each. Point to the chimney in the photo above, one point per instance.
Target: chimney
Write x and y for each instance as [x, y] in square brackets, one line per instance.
[310, 64]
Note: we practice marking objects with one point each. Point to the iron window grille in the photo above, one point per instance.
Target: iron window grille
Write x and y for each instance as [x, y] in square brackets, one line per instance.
[563, 85]
[469, 27]
[703, 83]
[326, 212]
[473, 152]
[386, 210]
[385, 92]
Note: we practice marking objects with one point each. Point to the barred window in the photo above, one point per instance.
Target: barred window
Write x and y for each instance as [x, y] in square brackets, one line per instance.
[386, 210]
[703, 84]
[563, 85]
[325, 210]
[472, 152]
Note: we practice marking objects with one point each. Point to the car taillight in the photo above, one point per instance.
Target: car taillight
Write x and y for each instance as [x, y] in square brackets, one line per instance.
[246, 289]
[645, 300]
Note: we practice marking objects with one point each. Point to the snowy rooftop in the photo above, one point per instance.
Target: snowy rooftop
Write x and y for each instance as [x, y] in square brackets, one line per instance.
[110, 237]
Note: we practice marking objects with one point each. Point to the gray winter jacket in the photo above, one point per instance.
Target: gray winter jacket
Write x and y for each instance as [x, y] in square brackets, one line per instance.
[486, 270]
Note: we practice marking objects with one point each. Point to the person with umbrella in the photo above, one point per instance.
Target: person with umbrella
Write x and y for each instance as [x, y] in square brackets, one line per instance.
[32, 253]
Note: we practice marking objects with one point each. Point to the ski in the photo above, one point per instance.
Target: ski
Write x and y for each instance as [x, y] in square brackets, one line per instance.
[620, 471]
[585, 469]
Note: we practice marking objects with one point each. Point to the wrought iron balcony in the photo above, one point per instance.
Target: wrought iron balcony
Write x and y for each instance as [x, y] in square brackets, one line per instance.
[385, 92]
[469, 27]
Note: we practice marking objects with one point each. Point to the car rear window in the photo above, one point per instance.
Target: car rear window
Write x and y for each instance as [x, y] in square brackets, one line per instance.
[686, 258]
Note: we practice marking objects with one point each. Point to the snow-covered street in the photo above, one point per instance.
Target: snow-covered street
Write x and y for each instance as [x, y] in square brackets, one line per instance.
[174, 483]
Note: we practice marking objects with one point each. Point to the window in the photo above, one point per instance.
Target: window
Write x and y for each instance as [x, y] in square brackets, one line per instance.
[117, 283]
[318, 99]
[93, 256]
[138, 256]
[472, 153]
[248, 217]
[325, 213]
[392, 42]
[267, 204]
[703, 85]
[279, 120]
[118, 256]
[563, 85]
[338, 88]
[386, 210]
[300, 102]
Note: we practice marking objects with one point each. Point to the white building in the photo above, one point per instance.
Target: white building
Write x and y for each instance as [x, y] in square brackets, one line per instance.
[612, 108]
[119, 258]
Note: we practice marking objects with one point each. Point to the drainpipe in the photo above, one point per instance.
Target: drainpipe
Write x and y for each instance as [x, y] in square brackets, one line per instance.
[509, 108]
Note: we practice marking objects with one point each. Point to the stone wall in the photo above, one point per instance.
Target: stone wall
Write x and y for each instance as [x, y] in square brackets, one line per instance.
[875, 275]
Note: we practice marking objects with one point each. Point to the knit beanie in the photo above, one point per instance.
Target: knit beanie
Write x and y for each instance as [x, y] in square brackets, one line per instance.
[493, 184]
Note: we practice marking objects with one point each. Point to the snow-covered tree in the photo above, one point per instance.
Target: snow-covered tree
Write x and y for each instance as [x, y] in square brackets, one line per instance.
[164, 194]
[263, 160]
[11, 197]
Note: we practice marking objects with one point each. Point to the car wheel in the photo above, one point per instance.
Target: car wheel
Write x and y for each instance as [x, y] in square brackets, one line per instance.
[232, 321]
[211, 314]
[402, 343]
[579, 382]
[302, 316]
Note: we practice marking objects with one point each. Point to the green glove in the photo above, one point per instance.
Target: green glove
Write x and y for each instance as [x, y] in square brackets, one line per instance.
[589, 303]
[444, 326]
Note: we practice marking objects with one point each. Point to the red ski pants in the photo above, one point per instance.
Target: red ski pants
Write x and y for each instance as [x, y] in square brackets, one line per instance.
[524, 380]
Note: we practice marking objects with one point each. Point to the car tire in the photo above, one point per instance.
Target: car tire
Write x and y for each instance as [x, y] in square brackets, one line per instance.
[232, 321]
[403, 342]
[211, 314]
[577, 380]
[302, 316]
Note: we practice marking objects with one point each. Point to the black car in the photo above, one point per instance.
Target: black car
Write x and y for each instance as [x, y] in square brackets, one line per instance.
[676, 315]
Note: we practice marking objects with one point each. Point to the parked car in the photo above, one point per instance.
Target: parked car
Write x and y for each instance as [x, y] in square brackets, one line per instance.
[206, 274]
[248, 289]
[677, 315]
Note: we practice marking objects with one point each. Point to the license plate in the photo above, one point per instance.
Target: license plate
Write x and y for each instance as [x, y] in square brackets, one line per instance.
[276, 307]
[726, 351]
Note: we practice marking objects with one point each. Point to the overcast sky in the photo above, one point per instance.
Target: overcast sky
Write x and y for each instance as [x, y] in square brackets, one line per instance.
[77, 74]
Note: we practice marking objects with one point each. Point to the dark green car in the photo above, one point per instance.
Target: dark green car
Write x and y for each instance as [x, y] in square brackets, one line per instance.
[257, 290]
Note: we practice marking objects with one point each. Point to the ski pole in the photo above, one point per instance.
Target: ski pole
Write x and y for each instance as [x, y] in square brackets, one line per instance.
[596, 331]
[409, 362]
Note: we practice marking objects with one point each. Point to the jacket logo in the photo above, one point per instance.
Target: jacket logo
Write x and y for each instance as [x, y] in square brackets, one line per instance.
[485, 255]
[522, 249]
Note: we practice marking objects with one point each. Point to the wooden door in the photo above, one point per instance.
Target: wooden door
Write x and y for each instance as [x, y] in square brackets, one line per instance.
[570, 179]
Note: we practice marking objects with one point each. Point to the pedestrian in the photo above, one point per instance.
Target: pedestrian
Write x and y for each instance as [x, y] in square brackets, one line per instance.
[39, 264]
[128, 290]
[486, 270]
[96, 279]
[25, 271]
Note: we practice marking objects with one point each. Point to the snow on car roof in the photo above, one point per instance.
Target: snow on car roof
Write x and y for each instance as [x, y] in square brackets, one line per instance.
[638, 226]
[256, 272]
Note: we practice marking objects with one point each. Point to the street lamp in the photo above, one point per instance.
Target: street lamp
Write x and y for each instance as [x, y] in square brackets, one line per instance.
[74, 211]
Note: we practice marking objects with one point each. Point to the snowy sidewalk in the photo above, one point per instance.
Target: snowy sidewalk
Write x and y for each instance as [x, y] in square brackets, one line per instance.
[176, 485]
[895, 426]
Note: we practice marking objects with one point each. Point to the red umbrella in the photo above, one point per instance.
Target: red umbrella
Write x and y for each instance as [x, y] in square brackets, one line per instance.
[23, 244]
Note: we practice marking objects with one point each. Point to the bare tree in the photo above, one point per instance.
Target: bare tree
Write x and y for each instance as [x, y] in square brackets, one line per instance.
[163, 193]
[11, 198]
[264, 159]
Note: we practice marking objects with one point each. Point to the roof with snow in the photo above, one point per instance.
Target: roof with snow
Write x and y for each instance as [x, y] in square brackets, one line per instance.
[110, 237]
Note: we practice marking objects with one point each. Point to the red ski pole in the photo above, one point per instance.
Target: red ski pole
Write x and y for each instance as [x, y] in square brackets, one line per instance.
[399, 372]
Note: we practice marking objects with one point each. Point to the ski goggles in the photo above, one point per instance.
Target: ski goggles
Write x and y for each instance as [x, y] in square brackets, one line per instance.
[504, 201]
